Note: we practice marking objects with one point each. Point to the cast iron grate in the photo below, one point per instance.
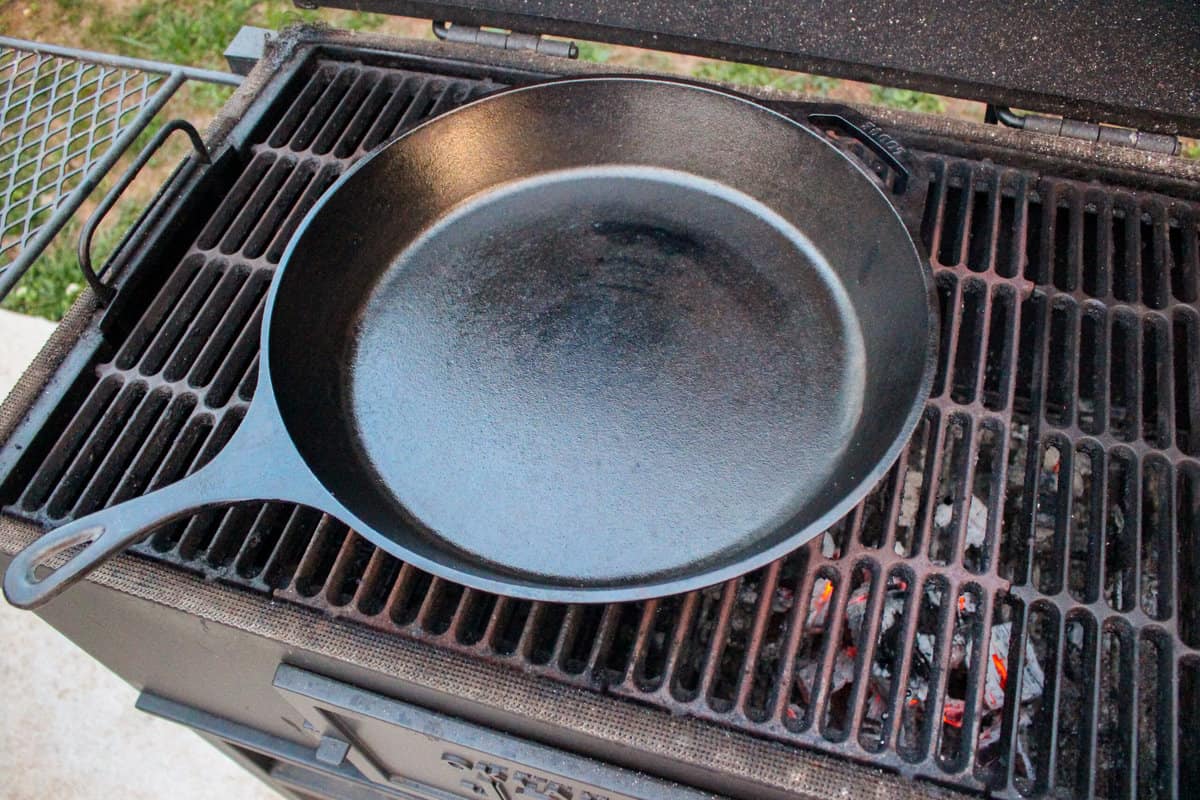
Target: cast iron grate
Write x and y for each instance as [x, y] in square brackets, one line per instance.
[1014, 609]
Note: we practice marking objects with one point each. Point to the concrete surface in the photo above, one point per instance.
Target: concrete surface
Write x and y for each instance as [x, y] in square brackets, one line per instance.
[68, 728]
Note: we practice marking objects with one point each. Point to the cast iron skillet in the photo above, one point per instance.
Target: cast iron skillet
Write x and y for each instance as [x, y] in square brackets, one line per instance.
[592, 340]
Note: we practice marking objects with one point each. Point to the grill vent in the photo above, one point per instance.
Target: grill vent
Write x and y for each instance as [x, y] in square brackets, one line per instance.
[1013, 609]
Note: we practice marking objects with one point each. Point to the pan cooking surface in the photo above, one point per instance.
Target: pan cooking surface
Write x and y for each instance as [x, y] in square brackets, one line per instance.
[591, 367]
[629, 357]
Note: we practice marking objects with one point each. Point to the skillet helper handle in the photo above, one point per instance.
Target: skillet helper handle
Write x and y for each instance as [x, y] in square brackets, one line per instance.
[906, 188]
[103, 290]
[848, 122]
[106, 533]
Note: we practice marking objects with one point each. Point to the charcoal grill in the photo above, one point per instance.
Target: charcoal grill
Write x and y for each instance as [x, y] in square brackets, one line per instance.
[1012, 612]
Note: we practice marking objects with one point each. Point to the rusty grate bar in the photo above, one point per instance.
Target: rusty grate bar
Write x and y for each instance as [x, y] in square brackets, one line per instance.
[1012, 610]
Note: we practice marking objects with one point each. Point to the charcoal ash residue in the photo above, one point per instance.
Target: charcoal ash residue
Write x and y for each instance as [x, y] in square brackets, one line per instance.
[914, 699]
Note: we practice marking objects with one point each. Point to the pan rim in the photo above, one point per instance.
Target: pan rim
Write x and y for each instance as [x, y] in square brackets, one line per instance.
[670, 583]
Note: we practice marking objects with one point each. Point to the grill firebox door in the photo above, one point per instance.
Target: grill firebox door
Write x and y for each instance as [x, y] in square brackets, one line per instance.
[410, 749]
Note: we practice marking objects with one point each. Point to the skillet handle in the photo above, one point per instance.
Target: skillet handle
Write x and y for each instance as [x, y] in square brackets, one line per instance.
[108, 532]
[871, 135]
[909, 182]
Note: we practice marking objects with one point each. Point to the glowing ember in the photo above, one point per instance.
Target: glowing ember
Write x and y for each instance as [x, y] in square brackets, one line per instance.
[818, 609]
[1001, 669]
[952, 714]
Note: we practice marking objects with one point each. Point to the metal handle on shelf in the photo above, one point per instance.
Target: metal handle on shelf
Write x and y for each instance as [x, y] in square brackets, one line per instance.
[103, 290]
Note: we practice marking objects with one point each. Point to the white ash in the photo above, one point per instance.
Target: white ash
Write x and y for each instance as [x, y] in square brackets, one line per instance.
[843, 674]
[977, 519]
[944, 513]
[819, 603]
[910, 499]
[1075, 635]
[856, 609]
[1024, 721]
[1082, 470]
[977, 522]
[1032, 678]
[893, 609]
[783, 599]
[925, 644]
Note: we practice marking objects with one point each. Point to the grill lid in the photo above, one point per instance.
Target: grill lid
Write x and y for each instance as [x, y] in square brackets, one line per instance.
[1132, 64]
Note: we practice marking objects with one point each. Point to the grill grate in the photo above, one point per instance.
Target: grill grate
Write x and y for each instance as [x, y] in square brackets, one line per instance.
[1014, 608]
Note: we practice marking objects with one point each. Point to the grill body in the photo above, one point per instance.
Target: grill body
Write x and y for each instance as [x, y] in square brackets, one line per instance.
[1012, 610]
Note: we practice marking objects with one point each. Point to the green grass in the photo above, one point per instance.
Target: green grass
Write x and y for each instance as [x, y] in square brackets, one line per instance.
[907, 99]
[183, 33]
[755, 76]
[591, 51]
[722, 71]
[1191, 148]
[210, 96]
[187, 33]
[648, 60]
[54, 281]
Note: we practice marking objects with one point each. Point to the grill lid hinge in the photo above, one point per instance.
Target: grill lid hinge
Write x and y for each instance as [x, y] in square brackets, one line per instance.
[504, 40]
[1163, 143]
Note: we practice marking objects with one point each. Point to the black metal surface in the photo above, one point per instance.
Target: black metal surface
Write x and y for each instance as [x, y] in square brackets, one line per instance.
[1086, 131]
[406, 746]
[1130, 64]
[1071, 331]
[270, 758]
[613, 317]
